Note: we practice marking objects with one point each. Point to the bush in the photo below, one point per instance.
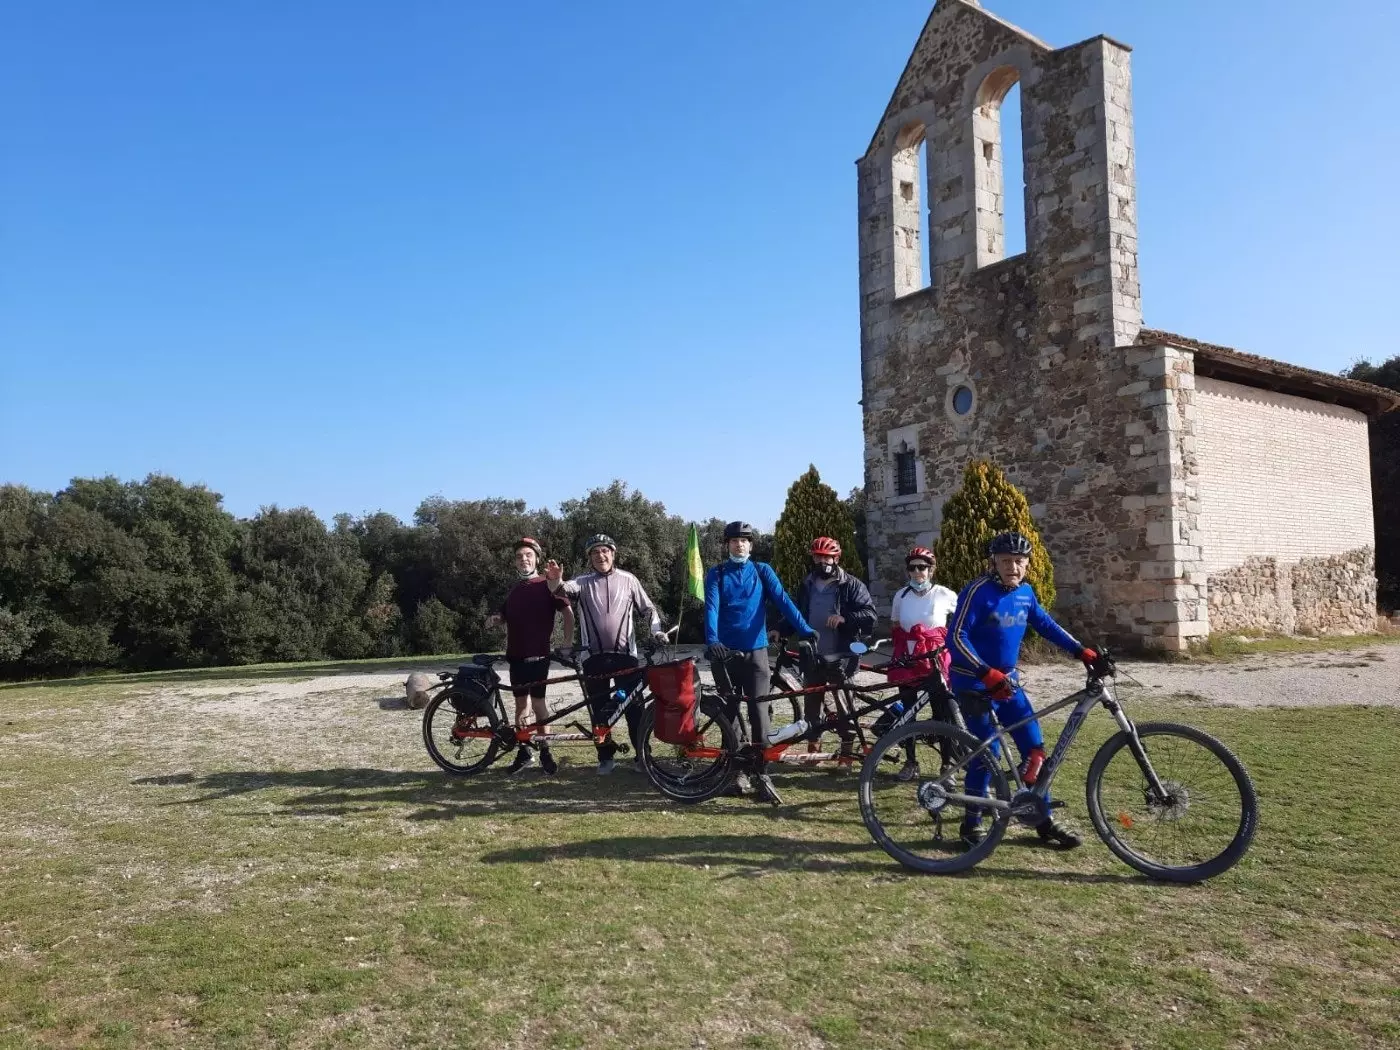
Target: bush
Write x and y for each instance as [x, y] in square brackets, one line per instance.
[987, 504]
[812, 509]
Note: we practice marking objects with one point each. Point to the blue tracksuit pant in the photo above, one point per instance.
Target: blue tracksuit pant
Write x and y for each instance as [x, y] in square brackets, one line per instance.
[981, 725]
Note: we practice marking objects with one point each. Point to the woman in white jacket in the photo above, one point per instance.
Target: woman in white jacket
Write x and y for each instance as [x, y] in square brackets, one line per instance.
[919, 624]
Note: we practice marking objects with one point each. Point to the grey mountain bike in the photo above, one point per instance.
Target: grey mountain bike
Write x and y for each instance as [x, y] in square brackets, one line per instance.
[1167, 799]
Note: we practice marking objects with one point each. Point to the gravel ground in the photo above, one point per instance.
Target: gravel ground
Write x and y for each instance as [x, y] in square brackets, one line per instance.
[1356, 676]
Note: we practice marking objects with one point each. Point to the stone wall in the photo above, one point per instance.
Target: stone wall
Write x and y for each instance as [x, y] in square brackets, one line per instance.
[1328, 595]
[1093, 429]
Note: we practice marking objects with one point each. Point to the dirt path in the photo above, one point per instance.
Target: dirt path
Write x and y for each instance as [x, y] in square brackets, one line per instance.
[1359, 676]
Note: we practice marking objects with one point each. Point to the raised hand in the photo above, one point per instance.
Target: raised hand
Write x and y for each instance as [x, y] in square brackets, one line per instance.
[553, 573]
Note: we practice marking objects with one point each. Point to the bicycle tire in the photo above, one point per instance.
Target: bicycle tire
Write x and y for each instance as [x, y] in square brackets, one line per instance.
[1155, 812]
[948, 741]
[680, 779]
[439, 719]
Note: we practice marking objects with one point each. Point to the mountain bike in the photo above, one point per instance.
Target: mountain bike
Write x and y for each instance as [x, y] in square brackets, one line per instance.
[466, 726]
[710, 763]
[1167, 799]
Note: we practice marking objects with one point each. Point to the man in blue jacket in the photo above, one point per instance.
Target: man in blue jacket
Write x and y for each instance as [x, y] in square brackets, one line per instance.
[992, 615]
[736, 633]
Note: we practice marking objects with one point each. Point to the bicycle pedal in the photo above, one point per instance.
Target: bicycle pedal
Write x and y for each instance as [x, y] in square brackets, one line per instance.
[623, 749]
[1057, 803]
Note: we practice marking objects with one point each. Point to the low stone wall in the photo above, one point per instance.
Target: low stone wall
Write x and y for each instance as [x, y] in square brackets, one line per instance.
[1335, 594]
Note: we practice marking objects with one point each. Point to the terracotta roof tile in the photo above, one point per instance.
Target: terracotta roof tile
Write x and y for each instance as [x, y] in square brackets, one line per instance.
[1280, 375]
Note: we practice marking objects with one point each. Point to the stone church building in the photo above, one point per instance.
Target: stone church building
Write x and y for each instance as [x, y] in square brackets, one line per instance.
[1180, 487]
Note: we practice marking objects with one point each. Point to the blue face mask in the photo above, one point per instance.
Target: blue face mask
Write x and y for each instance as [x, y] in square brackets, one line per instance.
[738, 559]
[920, 586]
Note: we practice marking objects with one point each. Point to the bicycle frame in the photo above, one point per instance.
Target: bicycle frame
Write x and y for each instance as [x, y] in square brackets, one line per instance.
[534, 732]
[849, 715]
[1095, 692]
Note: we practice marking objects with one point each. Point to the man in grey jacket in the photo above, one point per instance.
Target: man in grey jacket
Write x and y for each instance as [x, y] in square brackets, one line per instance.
[608, 598]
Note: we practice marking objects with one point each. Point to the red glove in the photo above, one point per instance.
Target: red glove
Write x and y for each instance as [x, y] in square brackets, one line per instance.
[998, 685]
[1088, 656]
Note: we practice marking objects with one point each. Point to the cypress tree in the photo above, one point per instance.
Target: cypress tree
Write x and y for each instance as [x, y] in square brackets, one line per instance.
[987, 504]
[812, 509]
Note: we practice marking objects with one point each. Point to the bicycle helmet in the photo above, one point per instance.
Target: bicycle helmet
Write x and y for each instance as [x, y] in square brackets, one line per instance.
[1009, 543]
[600, 540]
[919, 554]
[739, 530]
[530, 542]
[825, 545]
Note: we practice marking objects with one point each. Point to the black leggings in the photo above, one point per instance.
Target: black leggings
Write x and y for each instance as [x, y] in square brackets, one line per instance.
[746, 675]
[601, 703]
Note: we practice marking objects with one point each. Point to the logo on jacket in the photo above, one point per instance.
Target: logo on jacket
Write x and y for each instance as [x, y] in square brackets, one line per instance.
[1010, 619]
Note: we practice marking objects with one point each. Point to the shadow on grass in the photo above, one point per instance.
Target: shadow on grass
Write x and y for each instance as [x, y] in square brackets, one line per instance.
[337, 792]
[754, 855]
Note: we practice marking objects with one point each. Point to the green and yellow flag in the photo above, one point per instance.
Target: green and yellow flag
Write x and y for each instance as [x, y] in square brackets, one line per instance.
[694, 567]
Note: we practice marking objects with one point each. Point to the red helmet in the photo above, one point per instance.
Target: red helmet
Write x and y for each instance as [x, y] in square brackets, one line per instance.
[530, 542]
[919, 554]
[825, 545]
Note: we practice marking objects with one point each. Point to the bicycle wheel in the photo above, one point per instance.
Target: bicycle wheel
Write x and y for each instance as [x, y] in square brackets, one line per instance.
[1202, 826]
[915, 821]
[693, 772]
[463, 741]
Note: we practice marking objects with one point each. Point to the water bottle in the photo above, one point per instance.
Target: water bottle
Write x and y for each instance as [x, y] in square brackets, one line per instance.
[791, 731]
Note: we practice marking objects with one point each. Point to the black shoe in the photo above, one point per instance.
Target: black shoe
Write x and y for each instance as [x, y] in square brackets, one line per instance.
[524, 759]
[1055, 834]
[763, 790]
[547, 762]
[971, 835]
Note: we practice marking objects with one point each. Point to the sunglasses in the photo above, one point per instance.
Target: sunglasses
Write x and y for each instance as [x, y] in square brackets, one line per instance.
[919, 565]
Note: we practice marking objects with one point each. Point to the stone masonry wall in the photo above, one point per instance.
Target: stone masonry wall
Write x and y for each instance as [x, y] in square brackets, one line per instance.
[1098, 433]
[1335, 594]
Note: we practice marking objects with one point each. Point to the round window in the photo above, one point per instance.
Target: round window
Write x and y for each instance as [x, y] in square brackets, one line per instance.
[962, 400]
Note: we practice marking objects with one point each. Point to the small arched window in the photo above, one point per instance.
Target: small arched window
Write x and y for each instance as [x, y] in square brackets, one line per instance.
[909, 174]
[1000, 167]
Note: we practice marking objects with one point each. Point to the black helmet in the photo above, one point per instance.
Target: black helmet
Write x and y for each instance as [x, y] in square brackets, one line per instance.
[1009, 543]
[738, 530]
[600, 540]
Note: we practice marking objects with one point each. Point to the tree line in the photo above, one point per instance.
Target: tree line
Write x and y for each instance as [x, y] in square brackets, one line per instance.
[155, 574]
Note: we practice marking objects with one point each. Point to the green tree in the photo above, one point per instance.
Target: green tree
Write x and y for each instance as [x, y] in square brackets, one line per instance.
[1385, 479]
[987, 504]
[812, 509]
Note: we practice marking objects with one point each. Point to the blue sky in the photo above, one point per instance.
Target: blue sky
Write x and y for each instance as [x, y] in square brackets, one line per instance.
[350, 255]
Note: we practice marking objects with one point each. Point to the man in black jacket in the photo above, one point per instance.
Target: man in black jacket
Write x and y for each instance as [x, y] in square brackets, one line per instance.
[838, 606]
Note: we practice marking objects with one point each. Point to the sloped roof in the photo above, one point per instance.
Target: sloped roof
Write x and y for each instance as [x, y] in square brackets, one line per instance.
[1223, 362]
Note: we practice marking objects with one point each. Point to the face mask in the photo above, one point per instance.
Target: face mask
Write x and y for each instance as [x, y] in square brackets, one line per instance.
[738, 559]
[823, 569]
[526, 575]
[920, 586]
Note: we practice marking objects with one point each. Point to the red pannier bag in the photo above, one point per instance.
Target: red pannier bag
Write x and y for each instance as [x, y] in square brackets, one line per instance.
[673, 688]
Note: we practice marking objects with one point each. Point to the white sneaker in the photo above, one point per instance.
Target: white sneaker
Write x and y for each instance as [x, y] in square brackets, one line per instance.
[791, 731]
[606, 766]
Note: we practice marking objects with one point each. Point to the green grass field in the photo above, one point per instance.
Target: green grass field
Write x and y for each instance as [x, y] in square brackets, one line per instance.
[228, 870]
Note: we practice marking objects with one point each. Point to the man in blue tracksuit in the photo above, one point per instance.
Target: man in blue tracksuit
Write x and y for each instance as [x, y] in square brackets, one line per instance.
[737, 592]
[993, 613]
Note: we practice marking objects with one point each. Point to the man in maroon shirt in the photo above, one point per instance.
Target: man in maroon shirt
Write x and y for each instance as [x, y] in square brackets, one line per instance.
[528, 613]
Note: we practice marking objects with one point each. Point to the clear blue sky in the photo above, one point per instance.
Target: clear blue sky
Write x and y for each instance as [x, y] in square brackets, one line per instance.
[349, 255]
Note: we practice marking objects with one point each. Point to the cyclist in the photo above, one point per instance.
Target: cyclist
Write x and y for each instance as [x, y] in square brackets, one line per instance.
[838, 606]
[993, 613]
[918, 624]
[607, 598]
[528, 613]
[737, 591]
